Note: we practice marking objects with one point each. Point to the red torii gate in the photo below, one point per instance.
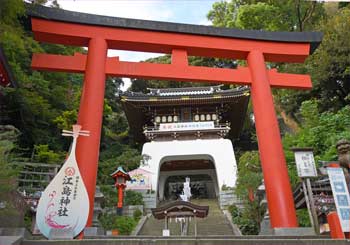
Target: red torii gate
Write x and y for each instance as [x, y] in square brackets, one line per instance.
[99, 33]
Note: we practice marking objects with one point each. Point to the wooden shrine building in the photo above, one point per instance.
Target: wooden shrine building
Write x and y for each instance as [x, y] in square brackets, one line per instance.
[187, 133]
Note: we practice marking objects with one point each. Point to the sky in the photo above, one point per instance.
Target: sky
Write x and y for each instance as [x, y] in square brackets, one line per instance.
[180, 11]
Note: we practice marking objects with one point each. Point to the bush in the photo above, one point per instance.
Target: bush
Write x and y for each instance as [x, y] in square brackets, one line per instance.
[125, 225]
[133, 198]
[45, 155]
[245, 219]
[303, 218]
[137, 214]
[111, 197]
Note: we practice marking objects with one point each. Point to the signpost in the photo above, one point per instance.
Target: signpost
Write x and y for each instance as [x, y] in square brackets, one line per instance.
[306, 168]
[340, 195]
[63, 208]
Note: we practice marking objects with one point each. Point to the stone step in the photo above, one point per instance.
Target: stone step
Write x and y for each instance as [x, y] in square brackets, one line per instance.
[205, 240]
[214, 224]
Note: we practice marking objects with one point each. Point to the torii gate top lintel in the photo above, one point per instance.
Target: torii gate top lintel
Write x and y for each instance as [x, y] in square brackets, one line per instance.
[100, 33]
[209, 41]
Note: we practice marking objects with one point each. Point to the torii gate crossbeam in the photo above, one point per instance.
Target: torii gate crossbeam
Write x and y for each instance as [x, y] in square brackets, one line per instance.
[100, 33]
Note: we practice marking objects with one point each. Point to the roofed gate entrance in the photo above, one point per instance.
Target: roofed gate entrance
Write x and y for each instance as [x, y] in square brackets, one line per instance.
[100, 33]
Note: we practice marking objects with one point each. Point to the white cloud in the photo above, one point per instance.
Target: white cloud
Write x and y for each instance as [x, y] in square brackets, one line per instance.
[148, 10]
[205, 22]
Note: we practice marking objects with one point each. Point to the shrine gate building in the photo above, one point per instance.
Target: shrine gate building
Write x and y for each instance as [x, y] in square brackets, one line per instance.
[186, 130]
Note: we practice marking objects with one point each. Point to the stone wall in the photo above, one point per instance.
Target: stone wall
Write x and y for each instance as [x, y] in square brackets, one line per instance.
[150, 201]
[130, 209]
[227, 198]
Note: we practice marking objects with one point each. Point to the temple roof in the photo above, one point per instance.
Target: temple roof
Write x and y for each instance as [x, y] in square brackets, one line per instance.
[184, 91]
[314, 38]
[122, 171]
[180, 209]
[184, 96]
[135, 104]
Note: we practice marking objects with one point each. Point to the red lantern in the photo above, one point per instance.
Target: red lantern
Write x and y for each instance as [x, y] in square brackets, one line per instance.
[120, 177]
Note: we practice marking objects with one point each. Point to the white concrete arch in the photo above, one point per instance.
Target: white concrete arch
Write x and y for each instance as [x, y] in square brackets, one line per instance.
[219, 151]
[166, 174]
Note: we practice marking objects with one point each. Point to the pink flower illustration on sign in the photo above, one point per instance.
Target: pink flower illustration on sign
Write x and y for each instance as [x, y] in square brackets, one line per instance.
[49, 215]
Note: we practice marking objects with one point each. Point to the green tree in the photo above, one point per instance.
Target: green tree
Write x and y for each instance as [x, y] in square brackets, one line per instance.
[321, 131]
[281, 15]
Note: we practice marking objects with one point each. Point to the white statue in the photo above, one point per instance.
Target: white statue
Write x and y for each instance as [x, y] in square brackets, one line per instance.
[186, 194]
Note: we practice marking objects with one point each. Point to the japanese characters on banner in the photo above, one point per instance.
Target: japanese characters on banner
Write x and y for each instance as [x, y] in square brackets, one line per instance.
[64, 205]
[186, 126]
[341, 196]
[140, 180]
[305, 164]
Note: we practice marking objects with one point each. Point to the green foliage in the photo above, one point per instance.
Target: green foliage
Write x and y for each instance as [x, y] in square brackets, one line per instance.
[246, 218]
[249, 178]
[66, 119]
[117, 155]
[223, 13]
[282, 15]
[140, 85]
[321, 131]
[329, 68]
[123, 224]
[10, 10]
[137, 214]
[44, 155]
[303, 218]
[249, 174]
[111, 196]
[133, 198]
[8, 174]
[258, 16]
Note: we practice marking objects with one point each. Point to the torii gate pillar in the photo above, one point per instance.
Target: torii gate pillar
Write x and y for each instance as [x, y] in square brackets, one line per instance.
[273, 163]
[91, 114]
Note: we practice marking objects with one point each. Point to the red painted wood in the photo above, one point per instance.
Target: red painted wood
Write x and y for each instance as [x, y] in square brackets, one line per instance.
[179, 58]
[164, 42]
[333, 165]
[120, 196]
[114, 67]
[278, 190]
[90, 117]
[4, 78]
[335, 226]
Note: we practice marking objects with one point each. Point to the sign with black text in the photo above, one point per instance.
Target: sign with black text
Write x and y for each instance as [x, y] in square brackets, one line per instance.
[183, 126]
[63, 208]
[305, 163]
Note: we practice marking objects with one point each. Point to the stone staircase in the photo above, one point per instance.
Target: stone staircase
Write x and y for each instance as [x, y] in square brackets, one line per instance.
[214, 224]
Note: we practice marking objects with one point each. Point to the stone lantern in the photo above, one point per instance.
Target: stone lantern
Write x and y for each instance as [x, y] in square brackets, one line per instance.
[120, 177]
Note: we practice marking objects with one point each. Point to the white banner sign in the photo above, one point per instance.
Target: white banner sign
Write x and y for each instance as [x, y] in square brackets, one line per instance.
[305, 163]
[63, 208]
[186, 126]
[341, 196]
